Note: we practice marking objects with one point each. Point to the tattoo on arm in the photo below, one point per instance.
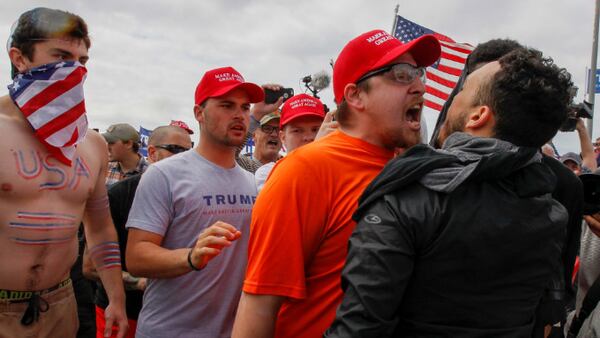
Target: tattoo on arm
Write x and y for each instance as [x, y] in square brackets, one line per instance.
[106, 255]
[97, 204]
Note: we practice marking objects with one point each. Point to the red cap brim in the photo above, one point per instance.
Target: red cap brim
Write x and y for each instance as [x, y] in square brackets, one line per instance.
[255, 92]
[291, 118]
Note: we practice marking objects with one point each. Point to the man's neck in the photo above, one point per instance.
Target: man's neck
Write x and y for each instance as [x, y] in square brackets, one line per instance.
[364, 134]
[130, 163]
[262, 158]
[221, 155]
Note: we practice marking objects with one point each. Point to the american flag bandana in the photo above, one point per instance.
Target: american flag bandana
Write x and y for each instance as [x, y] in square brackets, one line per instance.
[51, 99]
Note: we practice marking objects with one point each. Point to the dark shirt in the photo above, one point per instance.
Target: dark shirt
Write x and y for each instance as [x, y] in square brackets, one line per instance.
[468, 261]
[120, 197]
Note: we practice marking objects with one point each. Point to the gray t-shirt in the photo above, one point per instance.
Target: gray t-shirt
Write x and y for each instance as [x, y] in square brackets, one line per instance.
[177, 198]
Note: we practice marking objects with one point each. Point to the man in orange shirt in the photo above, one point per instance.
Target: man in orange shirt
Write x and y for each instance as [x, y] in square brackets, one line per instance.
[301, 221]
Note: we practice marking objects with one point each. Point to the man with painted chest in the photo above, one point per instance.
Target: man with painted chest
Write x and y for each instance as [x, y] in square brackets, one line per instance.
[51, 179]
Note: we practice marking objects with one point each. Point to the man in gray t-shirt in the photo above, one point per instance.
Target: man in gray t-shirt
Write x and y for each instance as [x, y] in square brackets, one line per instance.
[193, 208]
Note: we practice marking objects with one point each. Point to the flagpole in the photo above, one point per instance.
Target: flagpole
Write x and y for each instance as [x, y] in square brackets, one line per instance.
[395, 19]
[591, 95]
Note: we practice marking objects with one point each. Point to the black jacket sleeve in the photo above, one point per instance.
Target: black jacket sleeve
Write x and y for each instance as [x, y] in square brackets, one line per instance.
[379, 265]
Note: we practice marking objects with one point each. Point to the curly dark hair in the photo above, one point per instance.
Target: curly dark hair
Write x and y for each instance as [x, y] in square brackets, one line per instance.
[529, 95]
[45, 23]
[490, 51]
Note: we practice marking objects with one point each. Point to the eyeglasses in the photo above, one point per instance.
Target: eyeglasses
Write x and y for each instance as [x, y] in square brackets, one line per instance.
[172, 148]
[403, 73]
[267, 129]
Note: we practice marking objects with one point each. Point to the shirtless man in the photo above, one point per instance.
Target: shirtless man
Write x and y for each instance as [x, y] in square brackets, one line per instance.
[51, 179]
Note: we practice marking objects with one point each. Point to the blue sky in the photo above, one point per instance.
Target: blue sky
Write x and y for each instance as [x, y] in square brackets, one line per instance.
[147, 56]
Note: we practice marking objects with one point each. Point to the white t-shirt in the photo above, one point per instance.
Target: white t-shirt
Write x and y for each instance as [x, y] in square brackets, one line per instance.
[261, 174]
[177, 198]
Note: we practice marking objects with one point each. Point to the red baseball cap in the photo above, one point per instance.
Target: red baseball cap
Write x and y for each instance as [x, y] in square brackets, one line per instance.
[181, 125]
[221, 81]
[375, 49]
[301, 105]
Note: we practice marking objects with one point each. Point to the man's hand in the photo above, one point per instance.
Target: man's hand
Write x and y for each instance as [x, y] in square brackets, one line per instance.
[115, 314]
[328, 125]
[211, 241]
[141, 284]
[132, 282]
[261, 109]
[593, 223]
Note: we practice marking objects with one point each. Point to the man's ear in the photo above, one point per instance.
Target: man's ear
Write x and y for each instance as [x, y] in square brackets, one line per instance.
[128, 144]
[18, 59]
[353, 97]
[152, 153]
[198, 109]
[482, 118]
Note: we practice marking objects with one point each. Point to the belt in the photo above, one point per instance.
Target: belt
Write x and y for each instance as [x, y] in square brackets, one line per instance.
[36, 303]
[24, 296]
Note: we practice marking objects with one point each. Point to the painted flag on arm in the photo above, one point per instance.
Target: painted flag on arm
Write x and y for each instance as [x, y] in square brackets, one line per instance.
[442, 75]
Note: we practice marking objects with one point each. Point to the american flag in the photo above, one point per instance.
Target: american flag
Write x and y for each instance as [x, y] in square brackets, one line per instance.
[51, 99]
[443, 75]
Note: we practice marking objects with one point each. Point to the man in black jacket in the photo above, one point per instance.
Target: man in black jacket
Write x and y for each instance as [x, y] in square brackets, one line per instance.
[461, 241]
[559, 296]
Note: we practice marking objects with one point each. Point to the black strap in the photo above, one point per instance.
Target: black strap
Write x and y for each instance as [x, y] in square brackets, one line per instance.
[587, 307]
[35, 305]
[192, 266]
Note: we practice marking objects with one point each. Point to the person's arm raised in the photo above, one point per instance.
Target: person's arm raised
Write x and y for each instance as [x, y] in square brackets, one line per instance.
[587, 149]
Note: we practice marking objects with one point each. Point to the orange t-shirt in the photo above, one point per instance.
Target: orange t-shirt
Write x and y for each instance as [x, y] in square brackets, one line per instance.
[301, 224]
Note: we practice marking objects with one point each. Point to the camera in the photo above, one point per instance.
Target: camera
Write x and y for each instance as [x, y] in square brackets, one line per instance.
[271, 96]
[576, 111]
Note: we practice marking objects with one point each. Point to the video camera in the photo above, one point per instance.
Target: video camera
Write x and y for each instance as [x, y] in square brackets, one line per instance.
[576, 111]
[317, 82]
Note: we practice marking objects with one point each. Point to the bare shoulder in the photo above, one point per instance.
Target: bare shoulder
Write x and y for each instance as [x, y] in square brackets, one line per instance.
[94, 150]
[94, 139]
[10, 117]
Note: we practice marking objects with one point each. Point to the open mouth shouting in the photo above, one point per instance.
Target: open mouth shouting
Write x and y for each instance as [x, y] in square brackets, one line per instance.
[412, 115]
[273, 142]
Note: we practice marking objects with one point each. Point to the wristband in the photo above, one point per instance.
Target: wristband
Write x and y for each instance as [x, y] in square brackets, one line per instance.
[190, 261]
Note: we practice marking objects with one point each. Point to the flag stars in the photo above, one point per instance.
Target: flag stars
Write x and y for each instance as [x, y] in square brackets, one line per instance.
[15, 86]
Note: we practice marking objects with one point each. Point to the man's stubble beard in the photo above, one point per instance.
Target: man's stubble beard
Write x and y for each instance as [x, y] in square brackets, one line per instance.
[452, 126]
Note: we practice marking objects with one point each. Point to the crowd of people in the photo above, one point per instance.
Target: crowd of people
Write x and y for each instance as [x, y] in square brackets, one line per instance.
[338, 224]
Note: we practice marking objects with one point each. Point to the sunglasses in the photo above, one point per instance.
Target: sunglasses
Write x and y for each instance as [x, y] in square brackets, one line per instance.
[172, 148]
[267, 129]
[403, 73]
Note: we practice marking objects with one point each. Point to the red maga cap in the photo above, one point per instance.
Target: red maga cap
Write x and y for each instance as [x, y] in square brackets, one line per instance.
[375, 49]
[301, 105]
[221, 81]
[181, 125]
